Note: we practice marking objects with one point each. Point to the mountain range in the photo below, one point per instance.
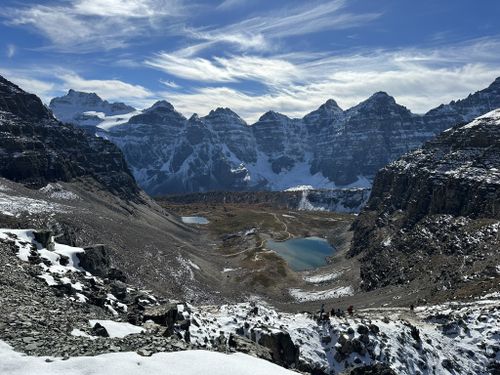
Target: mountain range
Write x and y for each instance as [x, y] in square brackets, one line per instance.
[328, 148]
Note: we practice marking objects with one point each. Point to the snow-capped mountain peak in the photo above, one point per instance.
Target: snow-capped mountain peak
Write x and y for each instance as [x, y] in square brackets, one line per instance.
[87, 109]
[160, 105]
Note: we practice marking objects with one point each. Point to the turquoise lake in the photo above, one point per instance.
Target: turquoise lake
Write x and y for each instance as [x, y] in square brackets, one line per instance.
[194, 220]
[303, 253]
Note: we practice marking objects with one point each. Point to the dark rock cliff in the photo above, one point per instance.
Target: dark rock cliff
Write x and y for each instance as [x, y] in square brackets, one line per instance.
[36, 149]
[434, 213]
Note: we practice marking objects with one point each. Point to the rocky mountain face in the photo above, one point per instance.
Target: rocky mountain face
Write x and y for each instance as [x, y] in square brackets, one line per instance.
[36, 149]
[329, 147]
[86, 109]
[434, 214]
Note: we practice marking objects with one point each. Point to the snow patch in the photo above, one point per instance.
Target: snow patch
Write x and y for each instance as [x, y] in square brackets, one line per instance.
[317, 279]
[56, 191]
[304, 296]
[192, 362]
[117, 329]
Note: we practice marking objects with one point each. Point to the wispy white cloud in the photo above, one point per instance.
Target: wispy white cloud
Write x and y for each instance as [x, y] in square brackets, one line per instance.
[11, 50]
[223, 69]
[107, 89]
[418, 78]
[48, 82]
[170, 84]
[230, 4]
[256, 33]
[90, 25]
[128, 8]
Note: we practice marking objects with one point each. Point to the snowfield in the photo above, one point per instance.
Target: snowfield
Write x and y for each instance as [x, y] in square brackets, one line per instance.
[195, 362]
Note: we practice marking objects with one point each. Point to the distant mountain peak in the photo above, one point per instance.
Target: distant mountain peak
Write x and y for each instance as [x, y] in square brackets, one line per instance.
[73, 93]
[72, 108]
[382, 96]
[273, 116]
[161, 104]
[377, 101]
[223, 111]
[330, 104]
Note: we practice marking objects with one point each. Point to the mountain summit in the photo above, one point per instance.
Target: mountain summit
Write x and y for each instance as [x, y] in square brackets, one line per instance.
[84, 109]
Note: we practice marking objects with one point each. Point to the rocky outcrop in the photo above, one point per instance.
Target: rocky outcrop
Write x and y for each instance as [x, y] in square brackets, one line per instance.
[36, 149]
[377, 369]
[327, 148]
[283, 351]
[434, 214]
[96, 260]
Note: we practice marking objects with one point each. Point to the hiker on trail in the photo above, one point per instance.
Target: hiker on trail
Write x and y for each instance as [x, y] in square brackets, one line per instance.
[412, 307]
[350, 310]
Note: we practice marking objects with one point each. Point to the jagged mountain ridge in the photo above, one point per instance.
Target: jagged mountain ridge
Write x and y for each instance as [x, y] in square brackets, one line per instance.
[35, 148]
[327, 148]
[433, 215]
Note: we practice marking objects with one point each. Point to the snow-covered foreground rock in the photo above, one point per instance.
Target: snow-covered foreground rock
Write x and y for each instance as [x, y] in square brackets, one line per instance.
[195, 362]
[454, 338]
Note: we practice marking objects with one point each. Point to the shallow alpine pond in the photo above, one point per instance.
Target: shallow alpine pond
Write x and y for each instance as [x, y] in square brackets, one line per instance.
[194, 220]
[303, 253]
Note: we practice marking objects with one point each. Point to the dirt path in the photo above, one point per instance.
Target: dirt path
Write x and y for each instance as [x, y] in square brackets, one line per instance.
[285, 226]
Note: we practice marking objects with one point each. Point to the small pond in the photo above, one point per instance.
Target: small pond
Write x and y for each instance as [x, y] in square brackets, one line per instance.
[303, 253]
[194, 220]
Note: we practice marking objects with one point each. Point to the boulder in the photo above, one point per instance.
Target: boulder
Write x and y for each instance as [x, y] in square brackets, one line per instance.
[165, 315]
[362, 329]
[283, 350]
[118, 289]
[45, 238]
[95, 259]
[377, 369]
[244, 345]
[99, 330]
[116, 274]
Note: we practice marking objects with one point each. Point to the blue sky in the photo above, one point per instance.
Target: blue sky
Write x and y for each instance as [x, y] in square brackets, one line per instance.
[252, 55]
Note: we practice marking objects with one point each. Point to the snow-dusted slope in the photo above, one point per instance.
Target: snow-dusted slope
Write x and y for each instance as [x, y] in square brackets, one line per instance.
[88, 109]
[452, 338]
[328, 148]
